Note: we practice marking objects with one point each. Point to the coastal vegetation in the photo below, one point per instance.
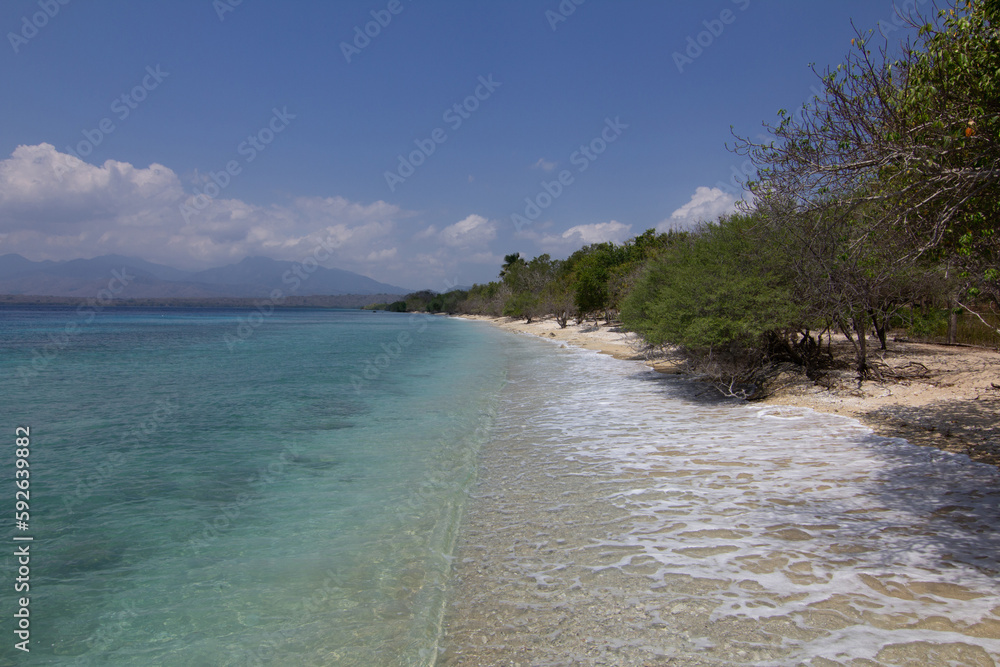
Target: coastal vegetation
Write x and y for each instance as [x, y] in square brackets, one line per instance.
[874, 208]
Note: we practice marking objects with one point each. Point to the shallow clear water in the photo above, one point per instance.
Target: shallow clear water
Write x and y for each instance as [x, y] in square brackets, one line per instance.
[289, 498]
[622, 518]
[295, 500]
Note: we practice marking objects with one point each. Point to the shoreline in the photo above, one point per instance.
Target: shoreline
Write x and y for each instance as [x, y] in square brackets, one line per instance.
[951, 400]
[618, 518]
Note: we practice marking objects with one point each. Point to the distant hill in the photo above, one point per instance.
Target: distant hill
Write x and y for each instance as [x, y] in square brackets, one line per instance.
[275, 274]
[327, 301]
[14, 265]
[254, 277]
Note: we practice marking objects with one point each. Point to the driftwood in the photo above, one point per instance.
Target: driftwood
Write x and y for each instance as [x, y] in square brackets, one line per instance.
[909, 371]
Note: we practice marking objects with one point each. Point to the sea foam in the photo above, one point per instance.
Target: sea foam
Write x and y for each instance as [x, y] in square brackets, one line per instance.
[623, 515]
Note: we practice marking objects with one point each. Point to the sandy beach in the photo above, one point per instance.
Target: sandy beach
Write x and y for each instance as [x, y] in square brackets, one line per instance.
[951, 401]
[631, 520]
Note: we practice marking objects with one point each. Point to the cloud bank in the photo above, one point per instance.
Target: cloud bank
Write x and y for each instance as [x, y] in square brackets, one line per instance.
[56, 206]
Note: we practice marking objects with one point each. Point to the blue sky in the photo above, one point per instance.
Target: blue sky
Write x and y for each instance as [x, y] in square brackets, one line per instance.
[195, 133]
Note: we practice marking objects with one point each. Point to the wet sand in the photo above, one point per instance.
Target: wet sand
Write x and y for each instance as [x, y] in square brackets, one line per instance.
[947, 396]
[759, 535]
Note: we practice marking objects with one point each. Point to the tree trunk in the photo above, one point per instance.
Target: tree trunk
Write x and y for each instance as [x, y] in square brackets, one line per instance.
[861, 329]
[881, 325]
[846, 330]
[953, 321]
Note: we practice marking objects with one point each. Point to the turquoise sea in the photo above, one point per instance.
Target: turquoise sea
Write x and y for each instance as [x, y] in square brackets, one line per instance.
[230, 487]
[315, 487]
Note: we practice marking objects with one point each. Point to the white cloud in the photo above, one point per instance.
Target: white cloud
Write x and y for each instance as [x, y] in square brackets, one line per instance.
[379, 255]
[47, 191]
[55, 206]
[430, 232]
[706, 205]
[485, 258]
[544, 165]
[578, 236]
[343, 209]
[473, 231]
[598, 233]
[453, 249]
[428, 259]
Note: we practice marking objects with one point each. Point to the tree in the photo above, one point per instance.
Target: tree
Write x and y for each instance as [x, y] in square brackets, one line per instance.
[725, 299]
[592, 266]
[449, 302]
[955, 84]
[557, 297]
[914, 139]
[631, 258]
[486, 299]
[527, 283]
[845, 273]
[510, 261]
[896, 164]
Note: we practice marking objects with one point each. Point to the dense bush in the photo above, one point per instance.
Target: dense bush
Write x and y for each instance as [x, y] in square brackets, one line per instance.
[718, 289]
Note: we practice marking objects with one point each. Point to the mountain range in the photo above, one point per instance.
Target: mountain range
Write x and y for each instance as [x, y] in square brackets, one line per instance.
[131, 277]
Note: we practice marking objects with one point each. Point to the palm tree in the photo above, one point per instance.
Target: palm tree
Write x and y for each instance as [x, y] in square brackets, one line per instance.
[509, 261]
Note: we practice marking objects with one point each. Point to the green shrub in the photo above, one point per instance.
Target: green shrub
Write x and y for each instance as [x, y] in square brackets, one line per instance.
[719, 288]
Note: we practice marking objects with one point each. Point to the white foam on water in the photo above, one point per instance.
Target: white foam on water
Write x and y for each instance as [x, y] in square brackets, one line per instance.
[835, 543]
